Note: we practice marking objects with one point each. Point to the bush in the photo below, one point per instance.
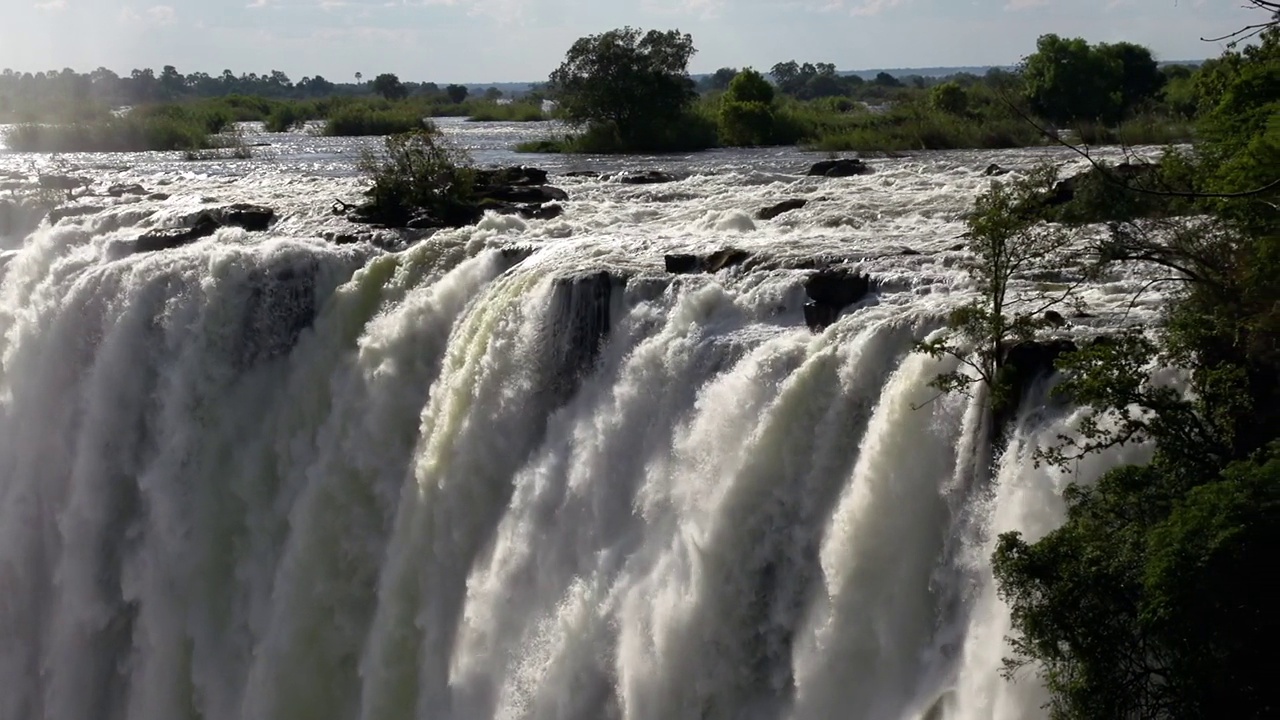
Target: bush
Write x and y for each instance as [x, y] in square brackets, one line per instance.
[511, 112]
[361, 120]
[418, 171]
[746, 123]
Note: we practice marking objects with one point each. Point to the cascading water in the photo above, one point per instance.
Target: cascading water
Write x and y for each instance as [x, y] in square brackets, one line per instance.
[511, 472]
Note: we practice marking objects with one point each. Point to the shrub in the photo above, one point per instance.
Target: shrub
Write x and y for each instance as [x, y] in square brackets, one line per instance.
[746, 123]
[132, 133]
[361, 120]
[417, 170]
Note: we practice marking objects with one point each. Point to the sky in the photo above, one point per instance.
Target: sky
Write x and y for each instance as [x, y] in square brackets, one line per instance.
[479, 41]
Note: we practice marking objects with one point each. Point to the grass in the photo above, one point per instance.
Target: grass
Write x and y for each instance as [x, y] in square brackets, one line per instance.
[511, 112]
[122, 134]
[1142, 130]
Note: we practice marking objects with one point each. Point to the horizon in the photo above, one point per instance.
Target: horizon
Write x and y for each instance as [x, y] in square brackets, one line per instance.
[421, 39]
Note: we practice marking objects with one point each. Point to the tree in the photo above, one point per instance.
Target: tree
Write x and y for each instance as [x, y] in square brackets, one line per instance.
[630, 83]
[1006, 241]
[950, 98]
[721, 78]
[389, 86]
[746, 110]
[1139, 75]
[884, 79]
[457, 93]
[1069, 80]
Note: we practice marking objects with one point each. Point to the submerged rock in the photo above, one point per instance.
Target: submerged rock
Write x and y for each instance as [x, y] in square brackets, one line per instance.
[994, 170]
[169, 238]
[524, 194]
[121, 190]
[582, 174]
[830, 292]
[648, 177]
[843, 167]
[581, 320]
[682, 264]
[785, 206]
[58, 214]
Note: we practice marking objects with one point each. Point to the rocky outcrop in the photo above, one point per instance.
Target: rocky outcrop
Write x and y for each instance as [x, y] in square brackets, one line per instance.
[843, 167]
[994, 170]
[679, 264]
[785, 206]
[582, 174]
[830, 292]
[508, 191]
[66, 183]
[581, 318]
[122, 190]
[254, 218]
[1021, 366]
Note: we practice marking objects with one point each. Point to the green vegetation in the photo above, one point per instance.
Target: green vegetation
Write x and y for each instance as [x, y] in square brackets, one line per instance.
[162, 128]
[631, 92]
[1153, 600]
[417, 172]
[358, 119]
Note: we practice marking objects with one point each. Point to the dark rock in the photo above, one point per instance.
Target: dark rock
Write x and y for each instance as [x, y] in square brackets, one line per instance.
[120, 190]
[843, 167]
[61, 182]
[254, 218]
[169, 238]
[679, 264]
[1022, 365]
[58, 214]
[819, 317]
[785, 206]
[536, 194]
[158, 196]
[281, 304]
[550, 211]
[582, 174]
[994, 170]
[906, 251]
[581, 320]
[831, 291]
[518, 175]
[1054, 318]
[958, 247]
[648, 177]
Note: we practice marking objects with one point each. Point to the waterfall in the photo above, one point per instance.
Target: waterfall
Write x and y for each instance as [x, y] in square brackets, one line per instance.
[283, 479]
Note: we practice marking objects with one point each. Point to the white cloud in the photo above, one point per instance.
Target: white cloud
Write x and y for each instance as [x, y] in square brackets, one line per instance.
[51, 6]
[1016, 5]
[154, 16]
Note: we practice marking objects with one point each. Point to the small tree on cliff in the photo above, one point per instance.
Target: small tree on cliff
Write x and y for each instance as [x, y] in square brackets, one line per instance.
[628, 82]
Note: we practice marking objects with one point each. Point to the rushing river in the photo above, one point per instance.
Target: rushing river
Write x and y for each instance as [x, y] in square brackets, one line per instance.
[268, 477]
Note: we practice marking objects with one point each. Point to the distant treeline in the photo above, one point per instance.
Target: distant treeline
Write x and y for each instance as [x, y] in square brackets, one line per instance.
[67, 95]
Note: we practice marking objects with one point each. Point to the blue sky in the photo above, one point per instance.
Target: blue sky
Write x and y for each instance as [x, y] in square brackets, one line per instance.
[513, 40]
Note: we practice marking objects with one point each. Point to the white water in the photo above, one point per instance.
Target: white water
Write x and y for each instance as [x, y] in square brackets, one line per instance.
[411, 507]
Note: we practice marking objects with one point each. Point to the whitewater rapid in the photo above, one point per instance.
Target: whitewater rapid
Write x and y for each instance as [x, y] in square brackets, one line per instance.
[513, 471]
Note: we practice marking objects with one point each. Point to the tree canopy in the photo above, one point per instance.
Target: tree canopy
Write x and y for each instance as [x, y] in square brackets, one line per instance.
[628, 81]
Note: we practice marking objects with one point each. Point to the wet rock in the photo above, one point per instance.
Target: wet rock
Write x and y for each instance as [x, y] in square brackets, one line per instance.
[158, 196]
[254, 218]
[958, 247]
[1054, 318]
[68, 183]
[907, 252]
[122, 190]
[524, 194]
[581, 319]
[280, 306]
[550, 211]
[994, 170]
[582, 174]
[169, 238]
[1023, 364]
[830, 292]
[521, 175]
[681, 264]
[785, 206]
[843, 167]
[648, 177]
[58, 214]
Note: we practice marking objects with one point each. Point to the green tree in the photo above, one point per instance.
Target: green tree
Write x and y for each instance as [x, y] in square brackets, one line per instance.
[1067, 80]
[950, 98]
[746, 111]
[457, 93]
[1139, 76]
[389, 86]
[626, 82]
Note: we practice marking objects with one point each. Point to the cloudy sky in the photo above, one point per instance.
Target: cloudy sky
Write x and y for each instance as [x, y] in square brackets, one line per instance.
[517, 40]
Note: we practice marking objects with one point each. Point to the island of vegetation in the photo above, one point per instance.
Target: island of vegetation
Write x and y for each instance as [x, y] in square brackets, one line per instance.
[627, 90]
